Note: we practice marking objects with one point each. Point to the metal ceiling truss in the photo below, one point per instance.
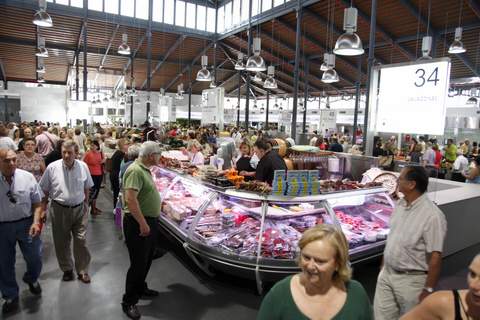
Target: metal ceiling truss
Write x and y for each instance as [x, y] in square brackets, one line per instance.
[109, 46]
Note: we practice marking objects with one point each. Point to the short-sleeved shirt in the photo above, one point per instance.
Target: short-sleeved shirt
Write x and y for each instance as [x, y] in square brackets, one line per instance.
[32, 165]
[64, 185]
[139, 178]
[451, 152]
[416, 230]
[429, 157]
[45, 143]
[278, 304]
[25, 190]
[266, 167]
[94, 162]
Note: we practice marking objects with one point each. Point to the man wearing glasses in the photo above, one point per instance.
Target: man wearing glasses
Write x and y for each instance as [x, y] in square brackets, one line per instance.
[20, 221]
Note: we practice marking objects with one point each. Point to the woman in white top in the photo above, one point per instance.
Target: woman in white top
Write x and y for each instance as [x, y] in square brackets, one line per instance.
[194, 152]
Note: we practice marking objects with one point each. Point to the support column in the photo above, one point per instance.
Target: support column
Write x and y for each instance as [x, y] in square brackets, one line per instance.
[131, 88]
[296, 75]
[239, 97]
[189, 95]
[267, 109]
[77, 76]
[357, 99]
[85, 45]
[306, 66]
[249, 52]
[371, 59]
[149, 56]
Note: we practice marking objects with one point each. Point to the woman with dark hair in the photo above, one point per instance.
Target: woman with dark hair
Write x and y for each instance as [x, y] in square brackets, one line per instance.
[94, 159]
[29, 160]
[473, 175]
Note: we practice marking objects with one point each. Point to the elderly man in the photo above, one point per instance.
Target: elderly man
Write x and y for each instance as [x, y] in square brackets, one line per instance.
[67, 183]
[20, 195]
[413, 253]
[45, 141]
[142, 208]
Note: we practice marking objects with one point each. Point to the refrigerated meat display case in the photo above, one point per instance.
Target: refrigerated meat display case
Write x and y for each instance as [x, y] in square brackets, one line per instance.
[255, 236]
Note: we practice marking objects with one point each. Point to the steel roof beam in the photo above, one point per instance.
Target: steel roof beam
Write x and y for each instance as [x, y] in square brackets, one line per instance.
[134, 53]
[109, 46]
[475, 6]
[165, 57]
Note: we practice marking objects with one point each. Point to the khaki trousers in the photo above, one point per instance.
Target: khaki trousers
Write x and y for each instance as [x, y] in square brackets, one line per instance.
[396, 293]
[67, 222]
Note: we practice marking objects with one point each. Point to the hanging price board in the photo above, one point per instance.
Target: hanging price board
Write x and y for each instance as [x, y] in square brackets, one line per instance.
[411, 97]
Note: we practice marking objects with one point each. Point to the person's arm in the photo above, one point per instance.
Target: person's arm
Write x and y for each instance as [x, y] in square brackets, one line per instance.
[471, 174]
[135, 211]
[37, 219]
[42, 167]
[434, 268]
[434, 307]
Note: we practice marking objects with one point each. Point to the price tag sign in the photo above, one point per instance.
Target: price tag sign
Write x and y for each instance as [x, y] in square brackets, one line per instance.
[411, 97]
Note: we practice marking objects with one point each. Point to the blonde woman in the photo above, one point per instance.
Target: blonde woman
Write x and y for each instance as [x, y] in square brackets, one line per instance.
[324, 288]
[194, 152]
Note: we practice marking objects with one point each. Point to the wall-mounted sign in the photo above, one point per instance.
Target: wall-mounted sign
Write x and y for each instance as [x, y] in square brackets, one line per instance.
[411, 97]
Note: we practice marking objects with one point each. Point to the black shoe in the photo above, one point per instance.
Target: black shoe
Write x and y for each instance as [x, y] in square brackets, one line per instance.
[10, 305]
[149, 293]
[68, 276]
[131, 311]
[34, 287]
[158, 253]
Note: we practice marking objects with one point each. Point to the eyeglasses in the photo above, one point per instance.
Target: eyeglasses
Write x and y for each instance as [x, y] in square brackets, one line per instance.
[11, 198]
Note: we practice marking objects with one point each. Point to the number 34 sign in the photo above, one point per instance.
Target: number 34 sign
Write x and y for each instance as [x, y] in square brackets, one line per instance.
[411, 97]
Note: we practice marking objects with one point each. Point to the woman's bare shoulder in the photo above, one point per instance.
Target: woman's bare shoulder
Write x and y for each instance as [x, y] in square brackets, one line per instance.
[439, 306]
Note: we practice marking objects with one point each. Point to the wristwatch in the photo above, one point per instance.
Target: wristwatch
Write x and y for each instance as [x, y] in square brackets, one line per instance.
[428, 289]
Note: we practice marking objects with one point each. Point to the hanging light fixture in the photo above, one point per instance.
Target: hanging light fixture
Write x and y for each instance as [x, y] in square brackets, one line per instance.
[324, 66]
[262, 109]
[41, 67]
[41, 79]
[426, 48]
[41, 18]
[105, 99]
[98, 100]
[471, 101]
[203, 74]
[349, 43]
[137, 101]
[122, 103]
[179, 95]
[330, 76]
[124, 48]
[270, 82]
[257, 78]
[239, 65]
[41, 50]
[256, 63]
[212, 85]
[162, 92]
[457, 46]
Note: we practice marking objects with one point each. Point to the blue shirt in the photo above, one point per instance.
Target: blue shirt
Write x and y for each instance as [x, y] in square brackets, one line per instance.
[26, 192]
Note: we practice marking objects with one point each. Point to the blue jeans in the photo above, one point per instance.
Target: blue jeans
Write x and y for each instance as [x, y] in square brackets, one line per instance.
[10, 234]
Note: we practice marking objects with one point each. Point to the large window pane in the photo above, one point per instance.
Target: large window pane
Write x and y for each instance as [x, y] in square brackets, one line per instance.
[266, 5]
[127, 8]
[180, 13]
[236, 12]
[201, 13]
[141, 11]
[245, 9]
[255, 7]
[64, 2]
[168, 11]
[211, 12]
[278, 2]
[191, 15]
[95, 5]
[157, 14]
[221, 19]
[111, 6]
[76, 3]
[228, 16]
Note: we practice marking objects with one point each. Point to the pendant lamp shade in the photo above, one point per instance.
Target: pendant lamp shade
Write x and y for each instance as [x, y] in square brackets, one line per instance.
[330, 76]
[270, 82]
[257, 78]
[41, 67]
[324, 66]
[239, 65]
[349, 43]
[41, 18]
[256, 63]
[124, 48]
[203, 74]
[41, 50]
[426, 48]
[457, 46]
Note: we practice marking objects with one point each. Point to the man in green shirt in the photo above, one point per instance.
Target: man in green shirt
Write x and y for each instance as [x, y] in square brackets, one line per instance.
[450, 151]
[142, 208]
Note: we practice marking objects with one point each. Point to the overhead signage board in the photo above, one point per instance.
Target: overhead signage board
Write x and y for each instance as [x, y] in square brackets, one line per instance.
[411, 97]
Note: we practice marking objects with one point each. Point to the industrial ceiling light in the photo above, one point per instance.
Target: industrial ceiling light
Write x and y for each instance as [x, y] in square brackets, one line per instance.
[256, 63]
[330, 76]
[471, 101]
[41, 50]
[105, 99]
[179, 95]
[41, 67]
[270, 82]
[426, 48]
[98, 100]
[162, 92]
[137, 101]
[213, 85]
[239, 65]
[324, 66]
[349, 43]
[41, 18]
[41, 79]
[457, 46]
[124, 48]
[262, 109]
[257, 78]
[203, 74]
[122, 103]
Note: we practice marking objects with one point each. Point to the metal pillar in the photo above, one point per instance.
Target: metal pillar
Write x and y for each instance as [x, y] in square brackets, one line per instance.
[249, 52]
[239, 97]
[131, 97]
[149, 56]
[306, 66]
[190, 96]
[296, 75]
[357, 100]
[268, 109]
[77, 77]
[371, 58]
[85, 70]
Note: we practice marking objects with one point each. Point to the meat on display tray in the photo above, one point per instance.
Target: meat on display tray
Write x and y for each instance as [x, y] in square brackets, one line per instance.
[278, 212]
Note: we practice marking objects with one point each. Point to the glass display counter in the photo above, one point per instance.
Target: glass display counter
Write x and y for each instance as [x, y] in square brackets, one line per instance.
[256, 235]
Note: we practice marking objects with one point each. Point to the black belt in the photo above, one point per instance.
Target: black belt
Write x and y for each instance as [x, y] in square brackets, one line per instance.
[69, 207]
[13, 221]
[408, 272]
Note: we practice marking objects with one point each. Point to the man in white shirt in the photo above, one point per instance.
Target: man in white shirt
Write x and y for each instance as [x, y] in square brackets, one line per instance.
[67, 183]
[460, 165]
[314, 139]
[5, 141]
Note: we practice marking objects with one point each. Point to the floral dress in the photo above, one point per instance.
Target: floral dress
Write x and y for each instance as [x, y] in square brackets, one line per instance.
[31, 165]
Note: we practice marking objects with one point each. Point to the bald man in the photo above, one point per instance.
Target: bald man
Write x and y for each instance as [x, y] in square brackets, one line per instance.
[20, 222]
